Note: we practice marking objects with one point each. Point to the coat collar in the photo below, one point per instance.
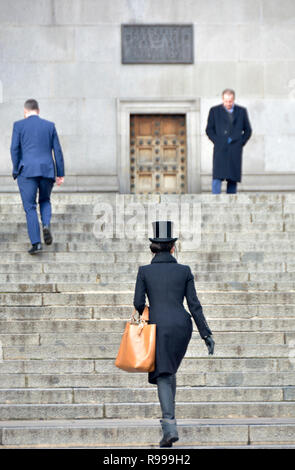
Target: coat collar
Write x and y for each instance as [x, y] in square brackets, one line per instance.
[235, 112]
[163, 257]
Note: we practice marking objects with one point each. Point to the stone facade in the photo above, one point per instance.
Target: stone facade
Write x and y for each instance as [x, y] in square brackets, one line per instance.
[67, 55]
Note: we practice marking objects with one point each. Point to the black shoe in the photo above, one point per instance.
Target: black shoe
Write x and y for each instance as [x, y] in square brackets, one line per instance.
[47, 235]
[170, 433]
[168, 440]
[36, 247]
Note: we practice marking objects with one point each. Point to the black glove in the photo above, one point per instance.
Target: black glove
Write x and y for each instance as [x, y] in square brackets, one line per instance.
[210, 344]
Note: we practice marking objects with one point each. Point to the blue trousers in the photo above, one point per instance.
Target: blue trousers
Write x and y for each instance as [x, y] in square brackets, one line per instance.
[28, 188]
[166, 392]
[216, 186]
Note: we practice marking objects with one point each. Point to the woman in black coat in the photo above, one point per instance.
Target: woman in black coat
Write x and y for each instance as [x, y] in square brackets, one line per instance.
[166, 282]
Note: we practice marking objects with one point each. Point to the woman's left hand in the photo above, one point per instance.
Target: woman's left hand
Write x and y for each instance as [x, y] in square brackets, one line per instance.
[210, 344]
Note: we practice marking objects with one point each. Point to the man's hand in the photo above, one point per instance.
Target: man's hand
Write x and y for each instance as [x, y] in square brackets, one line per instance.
[59, 180]
[210, 344]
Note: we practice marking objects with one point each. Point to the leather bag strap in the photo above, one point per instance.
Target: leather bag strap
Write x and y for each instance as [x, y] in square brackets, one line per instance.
[144, 315]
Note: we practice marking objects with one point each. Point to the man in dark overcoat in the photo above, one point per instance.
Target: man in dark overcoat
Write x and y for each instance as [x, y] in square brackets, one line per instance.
[229, 129]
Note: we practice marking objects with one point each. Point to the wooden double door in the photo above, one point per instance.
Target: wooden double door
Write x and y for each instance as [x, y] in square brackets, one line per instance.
[158, 161]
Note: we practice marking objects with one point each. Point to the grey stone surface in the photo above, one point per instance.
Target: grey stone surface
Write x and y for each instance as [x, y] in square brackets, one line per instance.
[56, 411]
[23, 12]
[131, 434]
[62, 316]
[61, 350]
[18, 47]
[75, 60]
[271, 434]
[197, 410]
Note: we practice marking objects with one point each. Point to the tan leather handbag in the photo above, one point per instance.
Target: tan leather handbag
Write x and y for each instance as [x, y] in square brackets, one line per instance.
[137, 350]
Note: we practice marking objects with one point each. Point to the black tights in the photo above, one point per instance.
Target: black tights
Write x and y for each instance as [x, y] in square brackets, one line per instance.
[166, 392]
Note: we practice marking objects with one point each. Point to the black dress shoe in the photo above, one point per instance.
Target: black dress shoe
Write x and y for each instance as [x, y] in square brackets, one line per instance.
[170, 433]
[47, 235]
[36, 247]
[168, 440]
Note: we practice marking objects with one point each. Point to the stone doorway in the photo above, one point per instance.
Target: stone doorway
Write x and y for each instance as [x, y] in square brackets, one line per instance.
[158, 155]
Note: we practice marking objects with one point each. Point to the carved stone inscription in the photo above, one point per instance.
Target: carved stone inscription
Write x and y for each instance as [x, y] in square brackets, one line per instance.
[157, 44]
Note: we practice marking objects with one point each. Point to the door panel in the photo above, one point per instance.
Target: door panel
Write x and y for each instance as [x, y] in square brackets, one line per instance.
[158, 154]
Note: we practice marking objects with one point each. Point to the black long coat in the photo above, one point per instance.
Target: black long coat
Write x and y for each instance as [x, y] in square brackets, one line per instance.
[227, 157]
[166, 282]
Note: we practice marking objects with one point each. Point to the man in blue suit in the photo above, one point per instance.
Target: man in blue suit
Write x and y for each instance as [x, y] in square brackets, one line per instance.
[33, 140]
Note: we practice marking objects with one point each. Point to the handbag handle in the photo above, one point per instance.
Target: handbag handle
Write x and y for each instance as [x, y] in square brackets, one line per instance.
[144, 315]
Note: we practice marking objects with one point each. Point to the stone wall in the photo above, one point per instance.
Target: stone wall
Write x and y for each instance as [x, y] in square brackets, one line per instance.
[67, 54]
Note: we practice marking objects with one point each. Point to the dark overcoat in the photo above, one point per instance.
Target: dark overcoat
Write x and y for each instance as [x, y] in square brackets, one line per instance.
[227, 157]
[166, 282]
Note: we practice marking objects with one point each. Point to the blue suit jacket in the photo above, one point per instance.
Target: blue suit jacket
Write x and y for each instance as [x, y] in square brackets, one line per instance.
[33, 140]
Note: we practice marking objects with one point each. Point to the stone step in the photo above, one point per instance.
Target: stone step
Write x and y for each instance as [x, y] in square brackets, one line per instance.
[12, 248]
[193, 259]
[212, 311]
[245, 236]
[147, 433]
[75, 206]
[107, 297]
[98, 351]
[61, 211]
[115, 338]
[206, 227]
[45, 339]
[274, 280]
[51, 256]
[86, 197]
[191, 410]
[107, 366]
[262, 325]
[122, 246]
[86, 237]
[51, 411]
[103, 395]
[49, 278]
[231, 238]
[242, 197]
[243, 217]
[113, 298]
[256, 378]
[250, 378]
[100, 285]
[37, 264]
[197, 410]
[140, 258]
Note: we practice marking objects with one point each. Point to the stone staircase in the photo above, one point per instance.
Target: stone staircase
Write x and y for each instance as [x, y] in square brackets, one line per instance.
[63, 311]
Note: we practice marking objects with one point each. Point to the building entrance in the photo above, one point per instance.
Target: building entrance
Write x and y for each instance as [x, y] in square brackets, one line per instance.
[158, 163]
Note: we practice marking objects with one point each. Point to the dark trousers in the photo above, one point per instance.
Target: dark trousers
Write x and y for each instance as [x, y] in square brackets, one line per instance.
[28, 188]
[166, 392]
[216, 186]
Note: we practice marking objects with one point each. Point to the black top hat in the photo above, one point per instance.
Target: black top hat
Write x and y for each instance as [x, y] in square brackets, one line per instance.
[162, 231]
